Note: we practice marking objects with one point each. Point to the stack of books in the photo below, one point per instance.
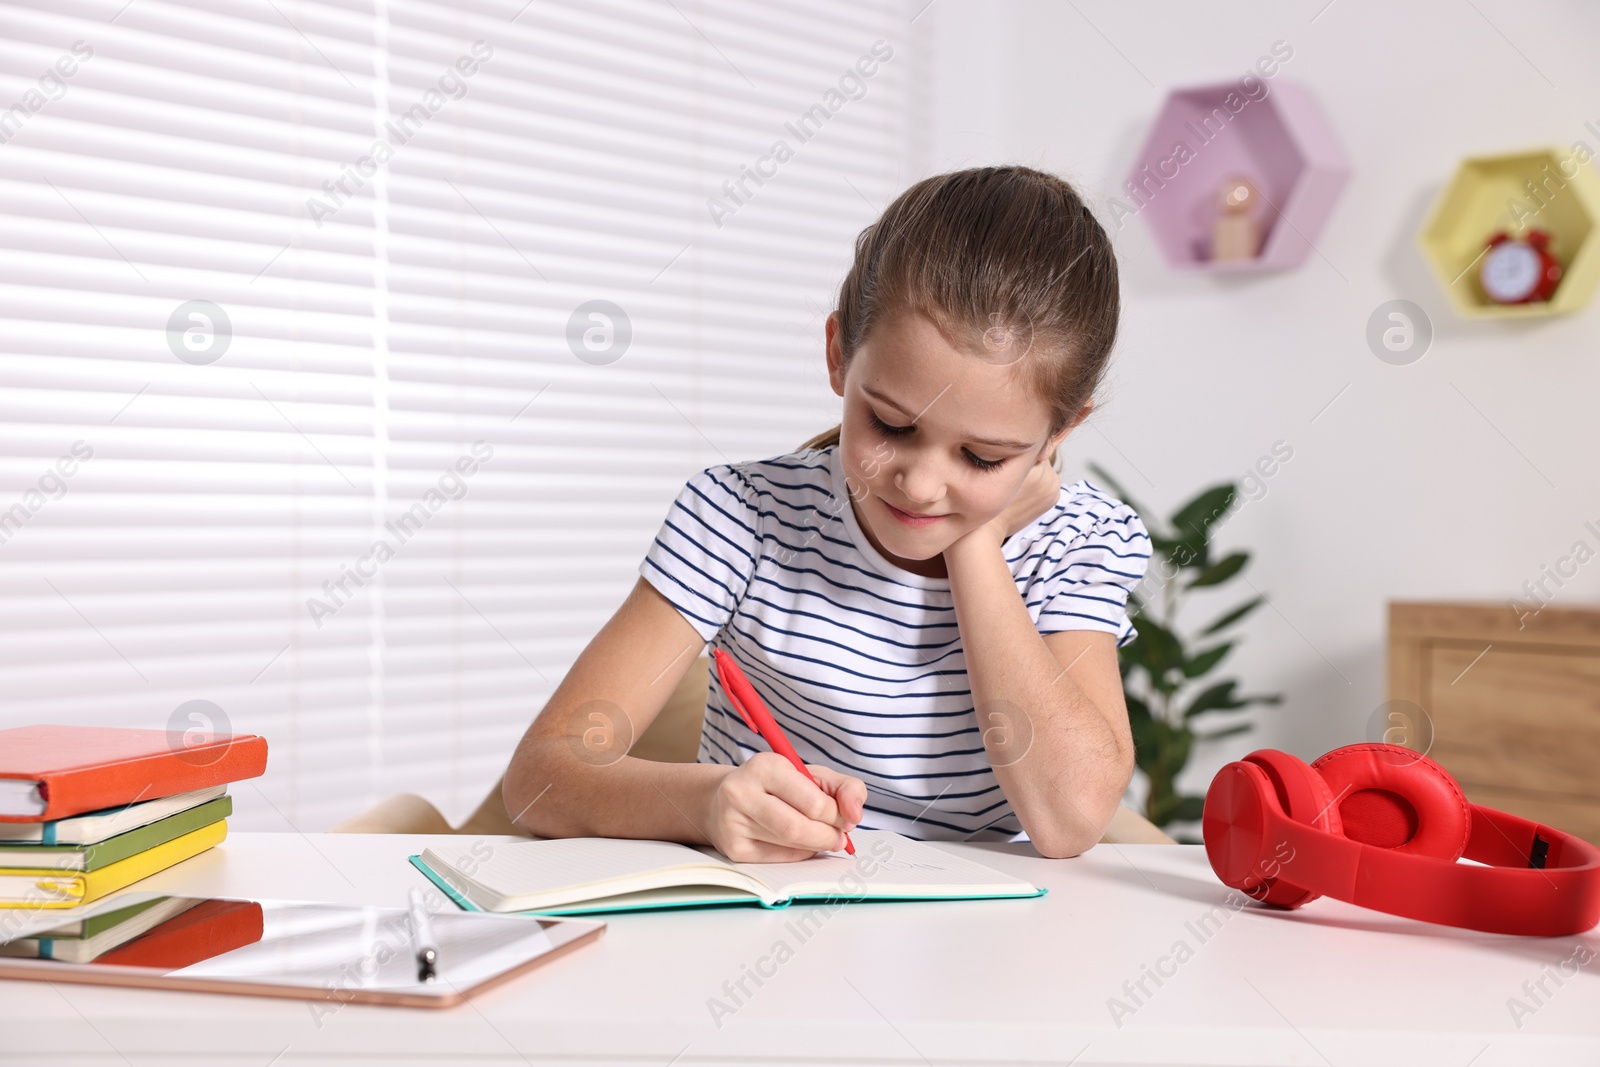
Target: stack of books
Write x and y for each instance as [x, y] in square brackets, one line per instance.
[157, 931]
[87, 811]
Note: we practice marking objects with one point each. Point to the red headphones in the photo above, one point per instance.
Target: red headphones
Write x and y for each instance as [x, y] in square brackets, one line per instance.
[1382, 826]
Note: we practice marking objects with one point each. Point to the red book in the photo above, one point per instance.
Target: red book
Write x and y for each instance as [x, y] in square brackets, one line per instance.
[208, 929]
[52, 772]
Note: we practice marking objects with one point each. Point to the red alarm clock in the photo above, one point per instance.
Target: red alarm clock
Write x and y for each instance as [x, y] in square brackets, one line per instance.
[1519, 270]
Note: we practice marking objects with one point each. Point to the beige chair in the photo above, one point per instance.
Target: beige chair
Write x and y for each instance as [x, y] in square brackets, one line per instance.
[674, 737]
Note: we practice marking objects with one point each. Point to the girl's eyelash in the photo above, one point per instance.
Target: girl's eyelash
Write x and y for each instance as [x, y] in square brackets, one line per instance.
[883, 427]
[900, 431]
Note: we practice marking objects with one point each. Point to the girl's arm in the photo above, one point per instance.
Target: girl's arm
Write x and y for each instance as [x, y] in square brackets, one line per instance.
[1050, 706]
[571, 776]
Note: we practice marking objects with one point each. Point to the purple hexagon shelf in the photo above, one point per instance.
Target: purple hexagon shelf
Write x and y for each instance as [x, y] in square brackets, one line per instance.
[1205, 135]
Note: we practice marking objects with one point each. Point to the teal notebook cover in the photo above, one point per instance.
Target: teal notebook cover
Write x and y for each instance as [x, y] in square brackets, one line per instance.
[735, 899]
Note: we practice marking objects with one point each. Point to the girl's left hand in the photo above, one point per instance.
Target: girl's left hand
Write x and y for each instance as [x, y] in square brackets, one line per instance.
[1039, 491]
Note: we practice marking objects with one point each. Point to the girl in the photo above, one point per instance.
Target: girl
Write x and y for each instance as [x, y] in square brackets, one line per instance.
[932, 618]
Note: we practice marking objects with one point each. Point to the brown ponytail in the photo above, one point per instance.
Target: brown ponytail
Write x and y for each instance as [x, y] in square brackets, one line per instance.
[822, 440]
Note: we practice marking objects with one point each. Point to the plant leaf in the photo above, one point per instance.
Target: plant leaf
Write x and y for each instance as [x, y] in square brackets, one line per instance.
[1151, 756]
[1221, 571]
[1219, 697]
[1176, 754]
[1160, 811]
[1143, 727]
[1144, 742]
[1159, 652]
[1167, 547]
[1194, 520]
[1176, 808]
[1244, 700]
[1233, 616]
[1187, 809]
[1201, 662]
[1227, 731]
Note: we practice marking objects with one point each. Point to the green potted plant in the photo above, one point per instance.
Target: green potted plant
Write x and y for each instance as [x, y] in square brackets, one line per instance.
[1173, 698]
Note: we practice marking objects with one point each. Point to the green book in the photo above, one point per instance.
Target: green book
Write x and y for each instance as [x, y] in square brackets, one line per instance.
[98, 924]
[104, 853]
[100, 934]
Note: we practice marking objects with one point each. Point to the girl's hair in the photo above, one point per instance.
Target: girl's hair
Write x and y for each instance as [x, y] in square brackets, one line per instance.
[1007, 261]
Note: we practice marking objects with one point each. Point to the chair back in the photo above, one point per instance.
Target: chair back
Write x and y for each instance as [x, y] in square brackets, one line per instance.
[674, 737]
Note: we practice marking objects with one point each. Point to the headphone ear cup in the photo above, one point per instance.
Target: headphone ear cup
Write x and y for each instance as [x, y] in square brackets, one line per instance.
[1304, 797]
[1392, 797]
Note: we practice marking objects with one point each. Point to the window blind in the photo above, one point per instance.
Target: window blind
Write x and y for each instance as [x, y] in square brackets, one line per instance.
[353, 352]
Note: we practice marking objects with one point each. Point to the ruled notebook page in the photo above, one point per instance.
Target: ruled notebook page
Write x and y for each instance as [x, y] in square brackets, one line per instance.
[887, 864]
[575, 868]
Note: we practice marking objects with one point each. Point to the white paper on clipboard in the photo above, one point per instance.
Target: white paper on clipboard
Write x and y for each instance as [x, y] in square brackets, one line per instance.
[341, 953]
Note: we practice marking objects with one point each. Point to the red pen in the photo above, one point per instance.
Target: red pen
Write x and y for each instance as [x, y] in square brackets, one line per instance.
[747, 702]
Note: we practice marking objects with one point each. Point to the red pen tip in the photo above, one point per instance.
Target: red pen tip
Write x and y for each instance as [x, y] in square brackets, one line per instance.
[849, 846]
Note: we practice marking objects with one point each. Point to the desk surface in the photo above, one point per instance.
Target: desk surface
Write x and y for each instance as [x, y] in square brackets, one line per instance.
[991, 982]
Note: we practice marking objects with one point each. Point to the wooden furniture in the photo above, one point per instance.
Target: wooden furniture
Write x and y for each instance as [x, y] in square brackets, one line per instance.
[674, 737]
[1514, 702]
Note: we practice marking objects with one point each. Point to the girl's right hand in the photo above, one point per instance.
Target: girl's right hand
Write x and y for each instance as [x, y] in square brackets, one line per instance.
[765, 811]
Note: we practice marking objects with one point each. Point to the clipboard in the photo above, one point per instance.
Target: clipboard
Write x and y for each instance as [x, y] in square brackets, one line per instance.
[305, 950]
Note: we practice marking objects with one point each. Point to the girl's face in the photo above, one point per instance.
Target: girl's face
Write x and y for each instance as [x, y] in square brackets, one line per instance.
[935, 441]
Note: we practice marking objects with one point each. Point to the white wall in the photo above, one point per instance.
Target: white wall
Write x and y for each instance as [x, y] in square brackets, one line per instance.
[1401, 490]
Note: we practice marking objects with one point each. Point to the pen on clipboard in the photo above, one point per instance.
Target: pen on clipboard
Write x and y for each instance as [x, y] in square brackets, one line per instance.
[747, 702]
[422, 943]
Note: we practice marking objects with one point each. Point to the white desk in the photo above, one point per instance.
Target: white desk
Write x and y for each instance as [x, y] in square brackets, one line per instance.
[1012, 981]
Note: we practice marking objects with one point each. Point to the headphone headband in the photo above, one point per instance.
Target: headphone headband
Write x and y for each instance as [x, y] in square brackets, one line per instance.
[1540, 881]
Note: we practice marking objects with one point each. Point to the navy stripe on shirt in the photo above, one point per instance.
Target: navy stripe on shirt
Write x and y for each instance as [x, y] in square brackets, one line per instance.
[762, 559]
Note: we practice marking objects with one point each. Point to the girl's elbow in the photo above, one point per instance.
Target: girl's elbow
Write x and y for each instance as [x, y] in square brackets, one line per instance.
[1064, 846]
[511, 790]
[525, 783]
[1079, 828]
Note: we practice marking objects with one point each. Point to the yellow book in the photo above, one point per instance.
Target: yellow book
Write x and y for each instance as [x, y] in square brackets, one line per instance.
[23, 888]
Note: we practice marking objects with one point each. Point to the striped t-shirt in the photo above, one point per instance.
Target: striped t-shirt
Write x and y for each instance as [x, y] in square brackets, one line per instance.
[860, 661]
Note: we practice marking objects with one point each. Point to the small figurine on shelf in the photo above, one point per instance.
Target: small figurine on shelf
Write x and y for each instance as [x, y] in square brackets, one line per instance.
[1519, 270]
[1236, 235]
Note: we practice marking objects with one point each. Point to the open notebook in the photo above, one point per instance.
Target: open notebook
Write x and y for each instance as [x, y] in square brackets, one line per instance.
[587, 875]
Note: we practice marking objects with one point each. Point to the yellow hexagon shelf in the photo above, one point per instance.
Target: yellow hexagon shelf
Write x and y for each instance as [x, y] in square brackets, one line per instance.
[1555, 190]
